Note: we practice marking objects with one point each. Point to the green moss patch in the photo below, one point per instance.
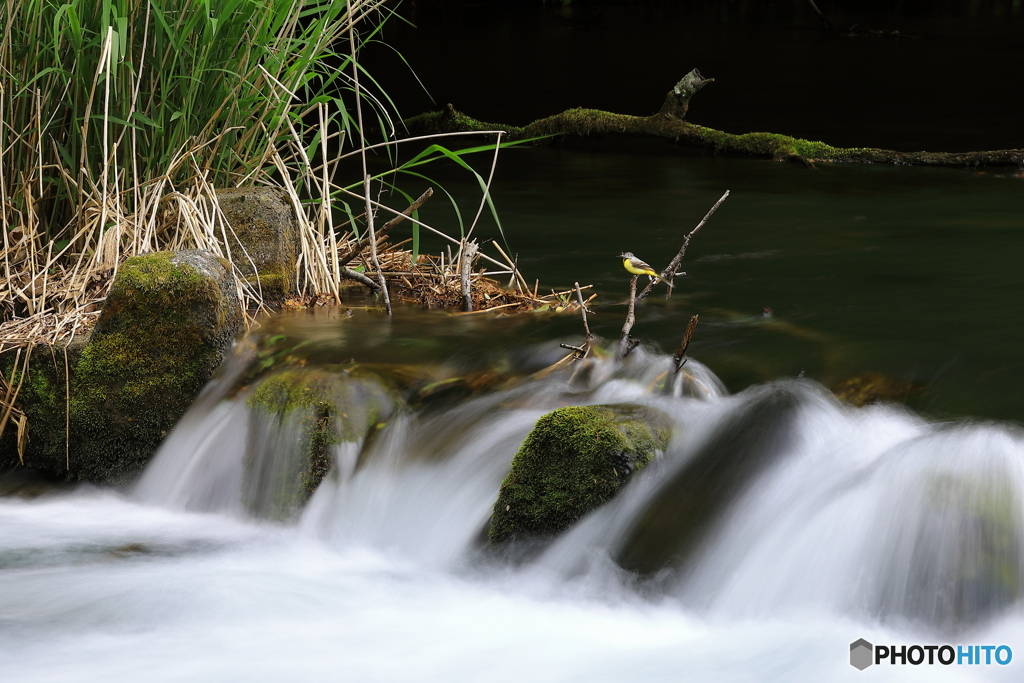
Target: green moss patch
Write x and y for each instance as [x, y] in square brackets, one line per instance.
[574, 460]
[318, 409]
[43, 397]
[163, 331]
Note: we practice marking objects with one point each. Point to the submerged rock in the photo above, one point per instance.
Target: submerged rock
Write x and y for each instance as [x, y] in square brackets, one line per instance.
[871, 387]
[452, 390]
[574, 460]
[957, 560]
[676, 519]
[302, 417]
[100, 412]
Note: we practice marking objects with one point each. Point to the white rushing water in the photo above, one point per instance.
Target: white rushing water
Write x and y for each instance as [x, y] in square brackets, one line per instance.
[822, 524]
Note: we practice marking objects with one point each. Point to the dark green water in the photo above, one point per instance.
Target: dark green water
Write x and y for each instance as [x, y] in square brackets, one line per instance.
[913, 273]
[910, 272]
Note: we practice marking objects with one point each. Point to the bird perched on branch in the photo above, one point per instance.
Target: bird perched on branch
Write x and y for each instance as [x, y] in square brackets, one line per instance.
[638, 267]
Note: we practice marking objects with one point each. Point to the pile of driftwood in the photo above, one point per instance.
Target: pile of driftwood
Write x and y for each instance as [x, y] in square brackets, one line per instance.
[466, 278]
[454, 281]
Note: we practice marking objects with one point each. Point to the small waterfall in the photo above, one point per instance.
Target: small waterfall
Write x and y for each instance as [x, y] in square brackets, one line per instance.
[784, 501]
[265, 449]
[775, 500]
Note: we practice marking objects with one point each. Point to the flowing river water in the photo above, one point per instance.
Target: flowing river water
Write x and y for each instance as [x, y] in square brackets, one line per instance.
[820, 523]
[816, 524]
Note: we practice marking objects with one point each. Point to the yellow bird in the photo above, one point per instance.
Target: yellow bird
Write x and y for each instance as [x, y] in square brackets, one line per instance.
[638, 267]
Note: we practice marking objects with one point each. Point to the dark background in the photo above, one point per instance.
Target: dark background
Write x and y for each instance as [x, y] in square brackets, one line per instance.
[910, 272]
[941, 76]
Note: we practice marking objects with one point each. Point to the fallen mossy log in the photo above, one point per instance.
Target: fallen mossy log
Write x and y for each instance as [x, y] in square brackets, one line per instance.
[669, 123]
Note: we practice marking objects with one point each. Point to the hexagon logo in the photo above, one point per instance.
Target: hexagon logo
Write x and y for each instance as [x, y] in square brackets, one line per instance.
[861, 654]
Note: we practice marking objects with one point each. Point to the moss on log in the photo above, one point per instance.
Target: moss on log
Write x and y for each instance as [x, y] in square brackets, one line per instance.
[668, 123]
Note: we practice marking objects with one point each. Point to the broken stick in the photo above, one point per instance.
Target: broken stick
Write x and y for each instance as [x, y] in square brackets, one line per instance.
[681, 351]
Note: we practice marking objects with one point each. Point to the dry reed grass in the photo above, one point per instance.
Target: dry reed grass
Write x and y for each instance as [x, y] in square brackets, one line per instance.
[134, 175]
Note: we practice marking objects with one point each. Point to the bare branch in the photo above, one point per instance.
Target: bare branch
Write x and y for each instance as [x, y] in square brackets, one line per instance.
[359, 277]
[469, 252]
[386, 228]
[373, 244]
[583, 312]
[670, 271]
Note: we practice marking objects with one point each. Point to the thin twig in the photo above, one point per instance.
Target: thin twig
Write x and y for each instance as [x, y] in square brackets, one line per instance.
[361, 244]
[670, 272]
[488, 310]
[487, 187]
[373, 245]
[583, 312]
[516, 273]
[825, 23]
[584, 350]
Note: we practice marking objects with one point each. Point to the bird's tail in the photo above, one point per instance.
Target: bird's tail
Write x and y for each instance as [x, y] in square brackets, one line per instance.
[658, 278]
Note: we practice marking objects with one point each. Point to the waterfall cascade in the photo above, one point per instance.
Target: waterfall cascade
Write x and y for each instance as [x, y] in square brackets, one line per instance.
[772, 500]
[778, 523]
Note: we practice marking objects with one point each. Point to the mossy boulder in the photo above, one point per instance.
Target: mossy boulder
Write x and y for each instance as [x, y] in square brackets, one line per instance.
[301, 416]
[166, 324]
[574, 460]
[264, 237]
[163, 331]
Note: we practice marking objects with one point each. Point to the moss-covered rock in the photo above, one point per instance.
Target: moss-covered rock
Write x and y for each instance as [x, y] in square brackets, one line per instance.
[264, 237]
[43, 396]
[574, 460]
[164, 329]
[99, 410]
[300, 416]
